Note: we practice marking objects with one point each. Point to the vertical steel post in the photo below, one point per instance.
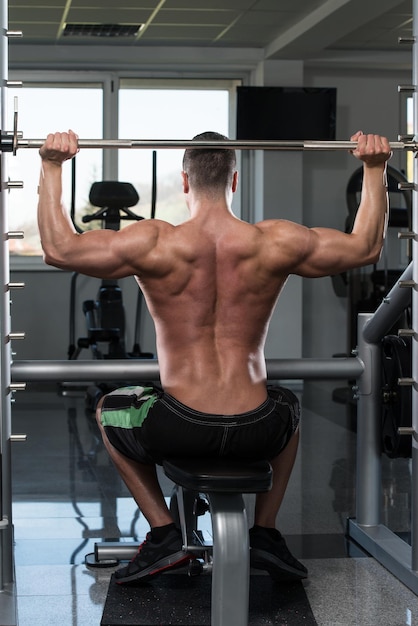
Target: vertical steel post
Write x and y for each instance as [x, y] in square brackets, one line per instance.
[231, 556]
[414, 494]
[368, 487]
[6, 539]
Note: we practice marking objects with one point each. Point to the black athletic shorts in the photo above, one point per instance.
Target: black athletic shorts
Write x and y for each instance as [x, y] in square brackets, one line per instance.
[148, 425]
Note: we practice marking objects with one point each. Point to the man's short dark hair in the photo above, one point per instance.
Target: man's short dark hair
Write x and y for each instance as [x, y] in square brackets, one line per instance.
[209, 168]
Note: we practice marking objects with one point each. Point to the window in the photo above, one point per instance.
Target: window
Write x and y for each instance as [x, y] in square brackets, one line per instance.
[45, 108]
[106, 106]
[166, 110]
[410, 131]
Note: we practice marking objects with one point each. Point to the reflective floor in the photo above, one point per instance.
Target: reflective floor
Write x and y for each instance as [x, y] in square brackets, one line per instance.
[67, 496]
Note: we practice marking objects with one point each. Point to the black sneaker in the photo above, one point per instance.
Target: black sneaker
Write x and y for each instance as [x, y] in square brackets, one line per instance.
[154, 558]
[270, 552]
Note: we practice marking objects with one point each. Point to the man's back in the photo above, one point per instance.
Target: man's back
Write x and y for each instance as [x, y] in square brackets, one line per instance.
[211, 296]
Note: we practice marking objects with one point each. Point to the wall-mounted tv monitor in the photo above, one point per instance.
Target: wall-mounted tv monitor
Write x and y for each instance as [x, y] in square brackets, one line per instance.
[286, 113]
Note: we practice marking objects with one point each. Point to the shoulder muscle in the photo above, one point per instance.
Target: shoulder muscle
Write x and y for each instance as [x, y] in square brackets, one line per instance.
[286, 244]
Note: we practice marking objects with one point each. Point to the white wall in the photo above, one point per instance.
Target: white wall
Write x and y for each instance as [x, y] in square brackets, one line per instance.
[280, 193]
[42, 311]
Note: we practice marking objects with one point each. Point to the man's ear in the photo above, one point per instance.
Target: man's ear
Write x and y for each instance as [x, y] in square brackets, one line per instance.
[235, 182]
[185, 182]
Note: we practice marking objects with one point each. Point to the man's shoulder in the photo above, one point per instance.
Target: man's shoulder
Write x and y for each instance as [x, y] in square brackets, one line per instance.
[156, 223]
[277, 226]
[152, 228]
[284, 241]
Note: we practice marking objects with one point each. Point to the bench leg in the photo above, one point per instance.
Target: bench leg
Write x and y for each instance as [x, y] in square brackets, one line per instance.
[182, 505]
[231, 560]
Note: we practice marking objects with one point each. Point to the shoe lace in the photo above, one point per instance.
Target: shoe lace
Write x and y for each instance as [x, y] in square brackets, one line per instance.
[141, 547]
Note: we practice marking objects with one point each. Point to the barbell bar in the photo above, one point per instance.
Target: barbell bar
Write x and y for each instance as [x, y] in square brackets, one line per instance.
[148, 369]
[11, 142]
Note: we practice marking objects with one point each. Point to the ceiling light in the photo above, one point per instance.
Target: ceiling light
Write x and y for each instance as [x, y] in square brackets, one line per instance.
[101, 30]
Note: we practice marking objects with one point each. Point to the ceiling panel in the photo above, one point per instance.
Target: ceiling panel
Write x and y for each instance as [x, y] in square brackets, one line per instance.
[279, 20]
[107, 16]
[208, 18]
[236, 5]
[33, 6]
[283, 28]
[181, 32]
[286, 5]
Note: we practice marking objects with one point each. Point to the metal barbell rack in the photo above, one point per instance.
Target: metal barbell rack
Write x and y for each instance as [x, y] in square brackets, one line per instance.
[6, 530]
[11, 142]
[366, 529]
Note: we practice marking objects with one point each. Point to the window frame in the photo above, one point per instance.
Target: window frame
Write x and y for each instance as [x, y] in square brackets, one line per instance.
[111, 84]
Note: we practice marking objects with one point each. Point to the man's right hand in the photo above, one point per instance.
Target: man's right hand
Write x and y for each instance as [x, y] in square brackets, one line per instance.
[59, 147]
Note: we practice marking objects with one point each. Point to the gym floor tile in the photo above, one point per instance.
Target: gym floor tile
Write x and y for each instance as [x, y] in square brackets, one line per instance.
[67, 496]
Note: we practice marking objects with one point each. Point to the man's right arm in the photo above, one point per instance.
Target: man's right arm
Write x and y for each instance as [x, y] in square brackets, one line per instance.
[101, 253]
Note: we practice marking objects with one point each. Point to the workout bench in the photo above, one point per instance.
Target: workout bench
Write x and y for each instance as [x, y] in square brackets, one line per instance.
[223, 482]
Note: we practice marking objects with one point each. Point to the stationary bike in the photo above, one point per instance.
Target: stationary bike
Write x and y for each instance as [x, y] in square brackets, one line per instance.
[105, 316]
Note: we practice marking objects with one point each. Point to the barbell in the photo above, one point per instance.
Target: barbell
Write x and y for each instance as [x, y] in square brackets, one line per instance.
[148, 370]
[12, 141]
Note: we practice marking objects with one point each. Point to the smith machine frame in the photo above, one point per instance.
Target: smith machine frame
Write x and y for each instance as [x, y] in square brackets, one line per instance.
[366, 528]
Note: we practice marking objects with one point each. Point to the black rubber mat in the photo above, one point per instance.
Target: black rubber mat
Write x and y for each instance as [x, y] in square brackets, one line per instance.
[179, 599]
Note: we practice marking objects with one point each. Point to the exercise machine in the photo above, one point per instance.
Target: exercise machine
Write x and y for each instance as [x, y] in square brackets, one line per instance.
[365, 288]
[227, 558]
[105, 316]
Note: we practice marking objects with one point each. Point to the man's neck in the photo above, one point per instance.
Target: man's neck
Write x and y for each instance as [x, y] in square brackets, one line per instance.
[209, 208]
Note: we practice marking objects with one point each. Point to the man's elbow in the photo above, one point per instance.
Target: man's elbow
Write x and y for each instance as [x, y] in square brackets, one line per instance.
[52, 258]
[374, 255]
[366, 250]
[49, 260]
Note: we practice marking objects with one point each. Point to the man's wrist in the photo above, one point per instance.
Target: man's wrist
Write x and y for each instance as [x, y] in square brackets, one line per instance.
[50, 164]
